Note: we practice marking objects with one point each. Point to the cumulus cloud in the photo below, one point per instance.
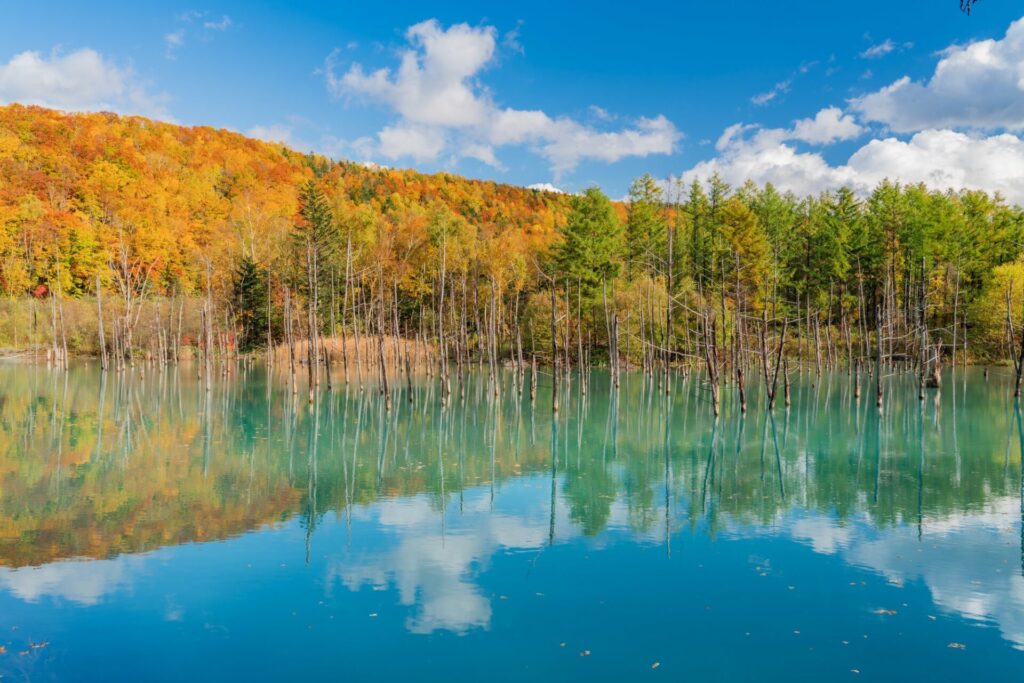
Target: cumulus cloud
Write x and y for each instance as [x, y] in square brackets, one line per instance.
[421, 143]
[940, 158]
[828, 126]
[979, 85]
[443, 108]
[545, 187]
[82, 80]
[433, 85]
[956, 130]
[277, 133]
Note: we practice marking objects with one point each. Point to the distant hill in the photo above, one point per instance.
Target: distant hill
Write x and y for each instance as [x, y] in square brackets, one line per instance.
[75, 188]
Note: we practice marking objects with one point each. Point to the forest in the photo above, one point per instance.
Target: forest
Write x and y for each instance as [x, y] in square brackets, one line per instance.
[137, 241]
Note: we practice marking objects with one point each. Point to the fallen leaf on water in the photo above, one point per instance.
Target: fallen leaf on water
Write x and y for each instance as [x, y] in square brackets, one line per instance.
[655, 665]
[585, 653]
[3, 650]
[957, 646]
[889, 612]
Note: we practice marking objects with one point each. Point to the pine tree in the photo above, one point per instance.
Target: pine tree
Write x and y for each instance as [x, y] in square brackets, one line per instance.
[251, 294]
[591, 245]
[646, 228]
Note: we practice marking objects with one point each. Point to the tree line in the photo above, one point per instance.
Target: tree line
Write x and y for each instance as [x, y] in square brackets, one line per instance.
[203, 242]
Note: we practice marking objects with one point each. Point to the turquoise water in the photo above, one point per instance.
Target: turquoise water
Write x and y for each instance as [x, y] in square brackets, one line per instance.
[152, 531]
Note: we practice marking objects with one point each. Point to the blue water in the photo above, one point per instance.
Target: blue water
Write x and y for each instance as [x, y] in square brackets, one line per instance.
[151, 532]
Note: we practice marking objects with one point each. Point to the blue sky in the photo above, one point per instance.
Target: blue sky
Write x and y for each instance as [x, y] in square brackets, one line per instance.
[805, 94]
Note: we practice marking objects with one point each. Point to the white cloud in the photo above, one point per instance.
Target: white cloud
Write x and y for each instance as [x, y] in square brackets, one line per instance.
[765, 157]
[545, 187]
[483, 153]
[879, 50]
[566, 142]
[174, 40]
[433, 83]
[442, 107]
[779, 88]
[82, 80]
[946, 159]
[275, 132]
[222, 25]
[421, 143]
[828, 126]
[941, 158]
[979, 85]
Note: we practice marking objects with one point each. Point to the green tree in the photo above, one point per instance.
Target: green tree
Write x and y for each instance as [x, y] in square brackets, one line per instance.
[591, 246]
[317, 242]
[646, 227]
[251, 292]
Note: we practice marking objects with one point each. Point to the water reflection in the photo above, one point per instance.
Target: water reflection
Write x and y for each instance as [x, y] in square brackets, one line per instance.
[97, 474]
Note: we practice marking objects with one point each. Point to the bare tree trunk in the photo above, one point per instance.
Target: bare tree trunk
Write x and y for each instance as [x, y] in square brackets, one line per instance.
[554, 353]
[879, 341]
[99, 318]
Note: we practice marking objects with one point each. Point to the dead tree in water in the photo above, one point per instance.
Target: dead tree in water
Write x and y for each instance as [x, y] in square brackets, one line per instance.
[132, 279]
[208, 327]
[554, 352]
[1018, 360]
[385, 388]
[289, 333]
[99, 318]
[710, 344]
[878, 356]
[771, 375]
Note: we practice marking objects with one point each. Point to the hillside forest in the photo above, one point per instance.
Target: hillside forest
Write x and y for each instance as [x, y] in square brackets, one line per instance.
[133, 241]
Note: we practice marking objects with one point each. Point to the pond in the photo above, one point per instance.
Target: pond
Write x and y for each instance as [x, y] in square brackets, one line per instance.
[152, 530]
